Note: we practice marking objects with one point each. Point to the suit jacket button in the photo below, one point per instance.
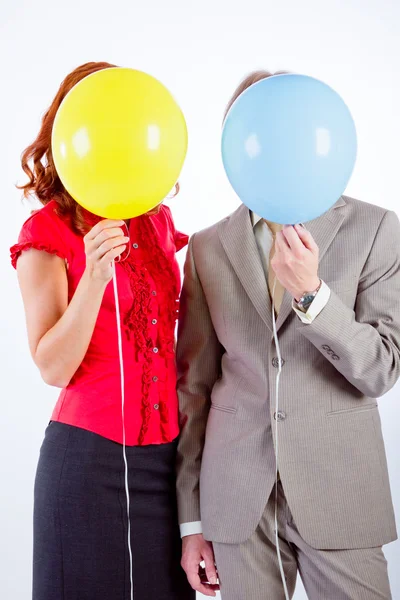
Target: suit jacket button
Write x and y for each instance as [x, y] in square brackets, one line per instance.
[275, 362]
[280, 416]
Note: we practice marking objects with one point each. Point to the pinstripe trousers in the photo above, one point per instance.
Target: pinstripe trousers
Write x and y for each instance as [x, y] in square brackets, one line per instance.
[250, 571]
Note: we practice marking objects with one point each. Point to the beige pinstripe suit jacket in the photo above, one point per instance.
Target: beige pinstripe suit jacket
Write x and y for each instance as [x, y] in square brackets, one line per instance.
[332, 457]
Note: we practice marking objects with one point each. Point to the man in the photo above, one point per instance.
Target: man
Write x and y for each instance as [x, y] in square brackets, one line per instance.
[338, 321]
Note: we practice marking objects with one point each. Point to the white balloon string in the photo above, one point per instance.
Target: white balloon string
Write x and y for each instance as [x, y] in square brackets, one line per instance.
[124, 257]
[121, 365]
[278, 550]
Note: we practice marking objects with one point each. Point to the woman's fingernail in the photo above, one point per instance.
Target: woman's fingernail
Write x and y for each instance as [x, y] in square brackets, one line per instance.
[213, 580]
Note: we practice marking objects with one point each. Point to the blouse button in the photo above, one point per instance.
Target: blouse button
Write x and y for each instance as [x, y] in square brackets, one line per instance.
[136, 246]
[154, 293]
[155, 350]
[154, 321]
[156, 406]
[155, 378]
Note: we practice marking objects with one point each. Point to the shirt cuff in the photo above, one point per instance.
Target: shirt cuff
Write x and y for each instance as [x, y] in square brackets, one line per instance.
[192, 528]
[316, 306]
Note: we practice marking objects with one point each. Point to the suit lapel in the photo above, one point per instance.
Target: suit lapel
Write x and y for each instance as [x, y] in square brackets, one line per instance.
[238, 240]
[323, 229]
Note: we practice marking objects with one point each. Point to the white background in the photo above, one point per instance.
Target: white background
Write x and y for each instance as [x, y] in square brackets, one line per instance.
[200, 51]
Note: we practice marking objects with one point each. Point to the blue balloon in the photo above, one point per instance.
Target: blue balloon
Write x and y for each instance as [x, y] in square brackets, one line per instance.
[289, 146]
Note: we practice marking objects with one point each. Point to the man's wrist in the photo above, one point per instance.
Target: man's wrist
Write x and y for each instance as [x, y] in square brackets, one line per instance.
[190, 528]
[312, 287]
[317, 305]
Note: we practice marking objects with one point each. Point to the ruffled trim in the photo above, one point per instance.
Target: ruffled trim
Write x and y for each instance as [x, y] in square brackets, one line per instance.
[146, 382]
[164, 417]
[137, 320]
[136, 327]
[17, 249]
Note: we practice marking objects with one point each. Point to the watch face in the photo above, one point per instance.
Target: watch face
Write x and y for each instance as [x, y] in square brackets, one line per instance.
[306, 301]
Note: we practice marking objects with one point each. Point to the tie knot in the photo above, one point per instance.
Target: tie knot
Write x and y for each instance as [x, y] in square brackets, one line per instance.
[274, 227]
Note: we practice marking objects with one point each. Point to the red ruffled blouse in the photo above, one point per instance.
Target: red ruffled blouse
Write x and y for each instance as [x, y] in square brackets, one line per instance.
[149, 286]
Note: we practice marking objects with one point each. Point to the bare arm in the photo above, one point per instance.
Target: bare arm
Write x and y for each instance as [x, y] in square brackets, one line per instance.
[59, 333]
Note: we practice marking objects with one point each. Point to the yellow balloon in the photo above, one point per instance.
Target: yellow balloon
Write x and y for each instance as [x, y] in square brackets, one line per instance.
[119, 142]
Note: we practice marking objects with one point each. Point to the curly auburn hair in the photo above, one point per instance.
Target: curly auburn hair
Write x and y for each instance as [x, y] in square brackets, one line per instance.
[38, 164]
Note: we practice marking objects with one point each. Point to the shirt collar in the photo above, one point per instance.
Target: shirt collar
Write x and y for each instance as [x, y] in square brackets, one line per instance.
[255, 218]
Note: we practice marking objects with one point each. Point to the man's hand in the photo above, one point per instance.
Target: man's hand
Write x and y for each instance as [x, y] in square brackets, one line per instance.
[195, 549]
[295, 261]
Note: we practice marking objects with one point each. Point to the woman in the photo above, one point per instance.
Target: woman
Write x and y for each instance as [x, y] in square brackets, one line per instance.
[64, 261]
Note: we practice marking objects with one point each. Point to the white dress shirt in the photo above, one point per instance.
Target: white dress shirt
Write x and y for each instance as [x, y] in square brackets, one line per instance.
[264, 239]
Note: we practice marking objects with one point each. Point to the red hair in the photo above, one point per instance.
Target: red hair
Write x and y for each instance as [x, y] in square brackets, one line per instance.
[37, 160]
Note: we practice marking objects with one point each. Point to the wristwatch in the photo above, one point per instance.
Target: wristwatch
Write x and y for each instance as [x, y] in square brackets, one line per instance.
[305, 301]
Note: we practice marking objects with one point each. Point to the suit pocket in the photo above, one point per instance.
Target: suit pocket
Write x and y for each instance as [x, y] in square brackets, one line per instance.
[222, 408]
[223, 396]
[353, 409]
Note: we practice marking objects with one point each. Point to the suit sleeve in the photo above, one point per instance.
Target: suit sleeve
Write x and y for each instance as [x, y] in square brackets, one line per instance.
[199, 363]
[364, 344]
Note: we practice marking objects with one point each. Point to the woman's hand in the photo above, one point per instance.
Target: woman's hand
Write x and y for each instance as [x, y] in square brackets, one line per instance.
[103, 244]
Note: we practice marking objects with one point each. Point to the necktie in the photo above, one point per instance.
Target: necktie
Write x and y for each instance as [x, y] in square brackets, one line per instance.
[279, 289]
